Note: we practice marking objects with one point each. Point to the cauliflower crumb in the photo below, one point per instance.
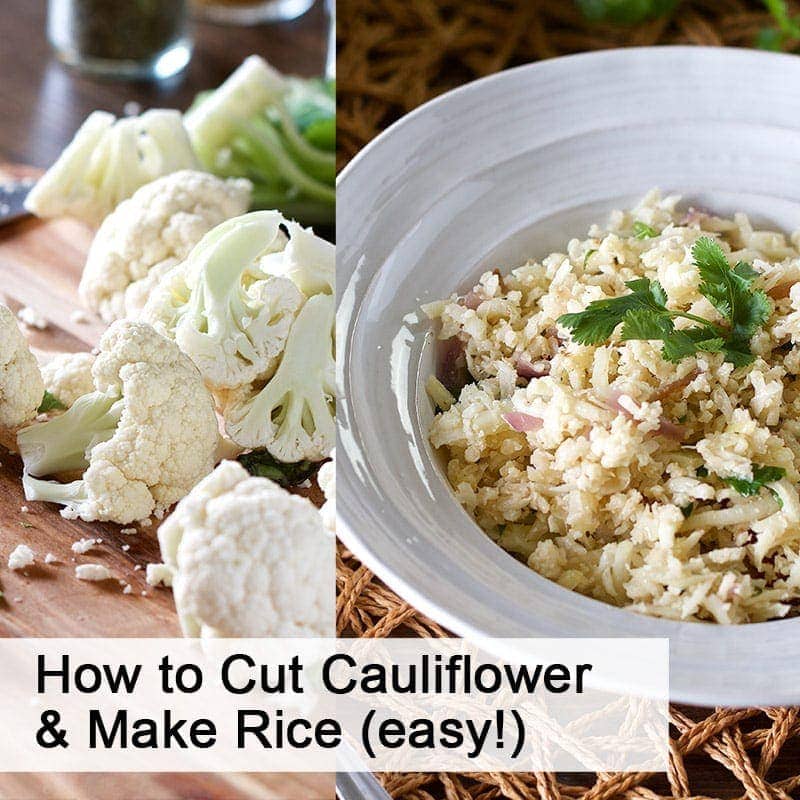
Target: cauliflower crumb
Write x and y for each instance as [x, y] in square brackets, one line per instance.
[125, 548]
[79, 317]
[85, 545]
[24, 509]
[50, 559]
[128, 589]
[158, 573]
[92, 572]
[21, 557]
[32, 318]
[128, 531]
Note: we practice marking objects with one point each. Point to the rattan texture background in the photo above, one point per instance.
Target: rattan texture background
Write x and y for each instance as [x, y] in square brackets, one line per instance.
[393, 55]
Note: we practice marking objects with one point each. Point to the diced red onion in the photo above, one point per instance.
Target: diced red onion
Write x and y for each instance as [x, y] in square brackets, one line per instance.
[522, 422]
[451, 365]
[527, 370]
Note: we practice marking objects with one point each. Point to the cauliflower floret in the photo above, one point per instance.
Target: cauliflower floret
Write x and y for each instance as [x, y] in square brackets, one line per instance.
[108, 160]
[326, 477]
[247, 91]
[144, 437]
[151, 232]
[293, 415]
[308, 260]
[21, 386]
[227, 315]
[249, 559]
[68, 376]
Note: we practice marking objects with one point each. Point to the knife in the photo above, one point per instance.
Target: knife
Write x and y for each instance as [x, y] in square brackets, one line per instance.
[12, 199]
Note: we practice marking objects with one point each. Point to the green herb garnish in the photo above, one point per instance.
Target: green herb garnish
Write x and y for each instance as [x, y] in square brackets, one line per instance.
[261, 464]
[701, 472]
[589, 254]
[761, 477]
[51, 403]
[644, 315]
[687, 510]
[642, 230]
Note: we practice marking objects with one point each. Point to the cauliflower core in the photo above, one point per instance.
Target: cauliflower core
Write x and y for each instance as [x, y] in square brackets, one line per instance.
[21, 386]
[142, 439]
[108, 160]
[249, 559]
[152, 231]
[68, 376]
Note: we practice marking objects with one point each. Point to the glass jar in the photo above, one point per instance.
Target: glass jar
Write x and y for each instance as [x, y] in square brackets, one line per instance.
[121, 38]
[250, 12]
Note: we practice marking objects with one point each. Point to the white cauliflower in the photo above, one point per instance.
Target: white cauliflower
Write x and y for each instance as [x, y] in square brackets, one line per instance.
[108, 160]
[224, 312]
[249, 559]
[21, 387]
[142, 439]
[293, 414]
[308, 260]
[150, 232]
[326, 477]
[247, 91]
[68, 376]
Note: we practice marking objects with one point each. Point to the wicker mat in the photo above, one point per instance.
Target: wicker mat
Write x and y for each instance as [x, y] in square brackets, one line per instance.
[394, 55]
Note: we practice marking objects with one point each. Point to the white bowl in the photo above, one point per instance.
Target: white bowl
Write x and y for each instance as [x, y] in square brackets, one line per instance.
[497, 171]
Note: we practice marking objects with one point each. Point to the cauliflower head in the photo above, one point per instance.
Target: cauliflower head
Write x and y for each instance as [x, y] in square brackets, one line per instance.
[108, 160]
[142, 439]
[224, 312]
[21, 386]
[68, 376]
[151, 232]
[249, 559]
[293, 414]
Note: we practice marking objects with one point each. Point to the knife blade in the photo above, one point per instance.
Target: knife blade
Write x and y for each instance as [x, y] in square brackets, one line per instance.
[12, 199]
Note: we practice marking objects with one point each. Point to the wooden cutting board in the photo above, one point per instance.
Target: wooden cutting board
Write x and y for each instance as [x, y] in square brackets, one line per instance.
[40, 266]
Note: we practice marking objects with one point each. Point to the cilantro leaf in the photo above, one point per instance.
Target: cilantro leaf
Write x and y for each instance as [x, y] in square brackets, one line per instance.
[729, 290]
[601, 317]
[762, 476]
[641, 230]
[589, 254]
[50, 403]
[687, 510]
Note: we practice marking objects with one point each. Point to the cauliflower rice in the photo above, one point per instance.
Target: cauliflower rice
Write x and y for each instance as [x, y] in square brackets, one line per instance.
[620, 491]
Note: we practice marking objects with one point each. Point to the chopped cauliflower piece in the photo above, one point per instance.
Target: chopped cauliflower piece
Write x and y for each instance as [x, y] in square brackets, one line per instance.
[293, 414]
[21, 387]
[50, 559]
[158, 573]
[152, 231]
[224, 312]
[32, 318]
[108, 160]
[21, 557]
[68, 376]
[142, 439]
[249, 559]
[92, 572]
[84, 545]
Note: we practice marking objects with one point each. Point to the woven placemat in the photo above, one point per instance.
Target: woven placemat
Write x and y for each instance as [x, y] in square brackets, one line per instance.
[394, 55]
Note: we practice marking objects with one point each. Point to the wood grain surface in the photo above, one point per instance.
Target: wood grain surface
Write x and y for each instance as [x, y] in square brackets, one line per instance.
[40, 265]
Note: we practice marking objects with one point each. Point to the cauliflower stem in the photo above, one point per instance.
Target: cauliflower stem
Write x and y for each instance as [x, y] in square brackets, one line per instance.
[62, 444]
[293, 414]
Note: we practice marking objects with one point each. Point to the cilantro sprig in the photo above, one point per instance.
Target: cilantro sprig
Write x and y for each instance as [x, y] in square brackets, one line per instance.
[643, 313]
[762, 476]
